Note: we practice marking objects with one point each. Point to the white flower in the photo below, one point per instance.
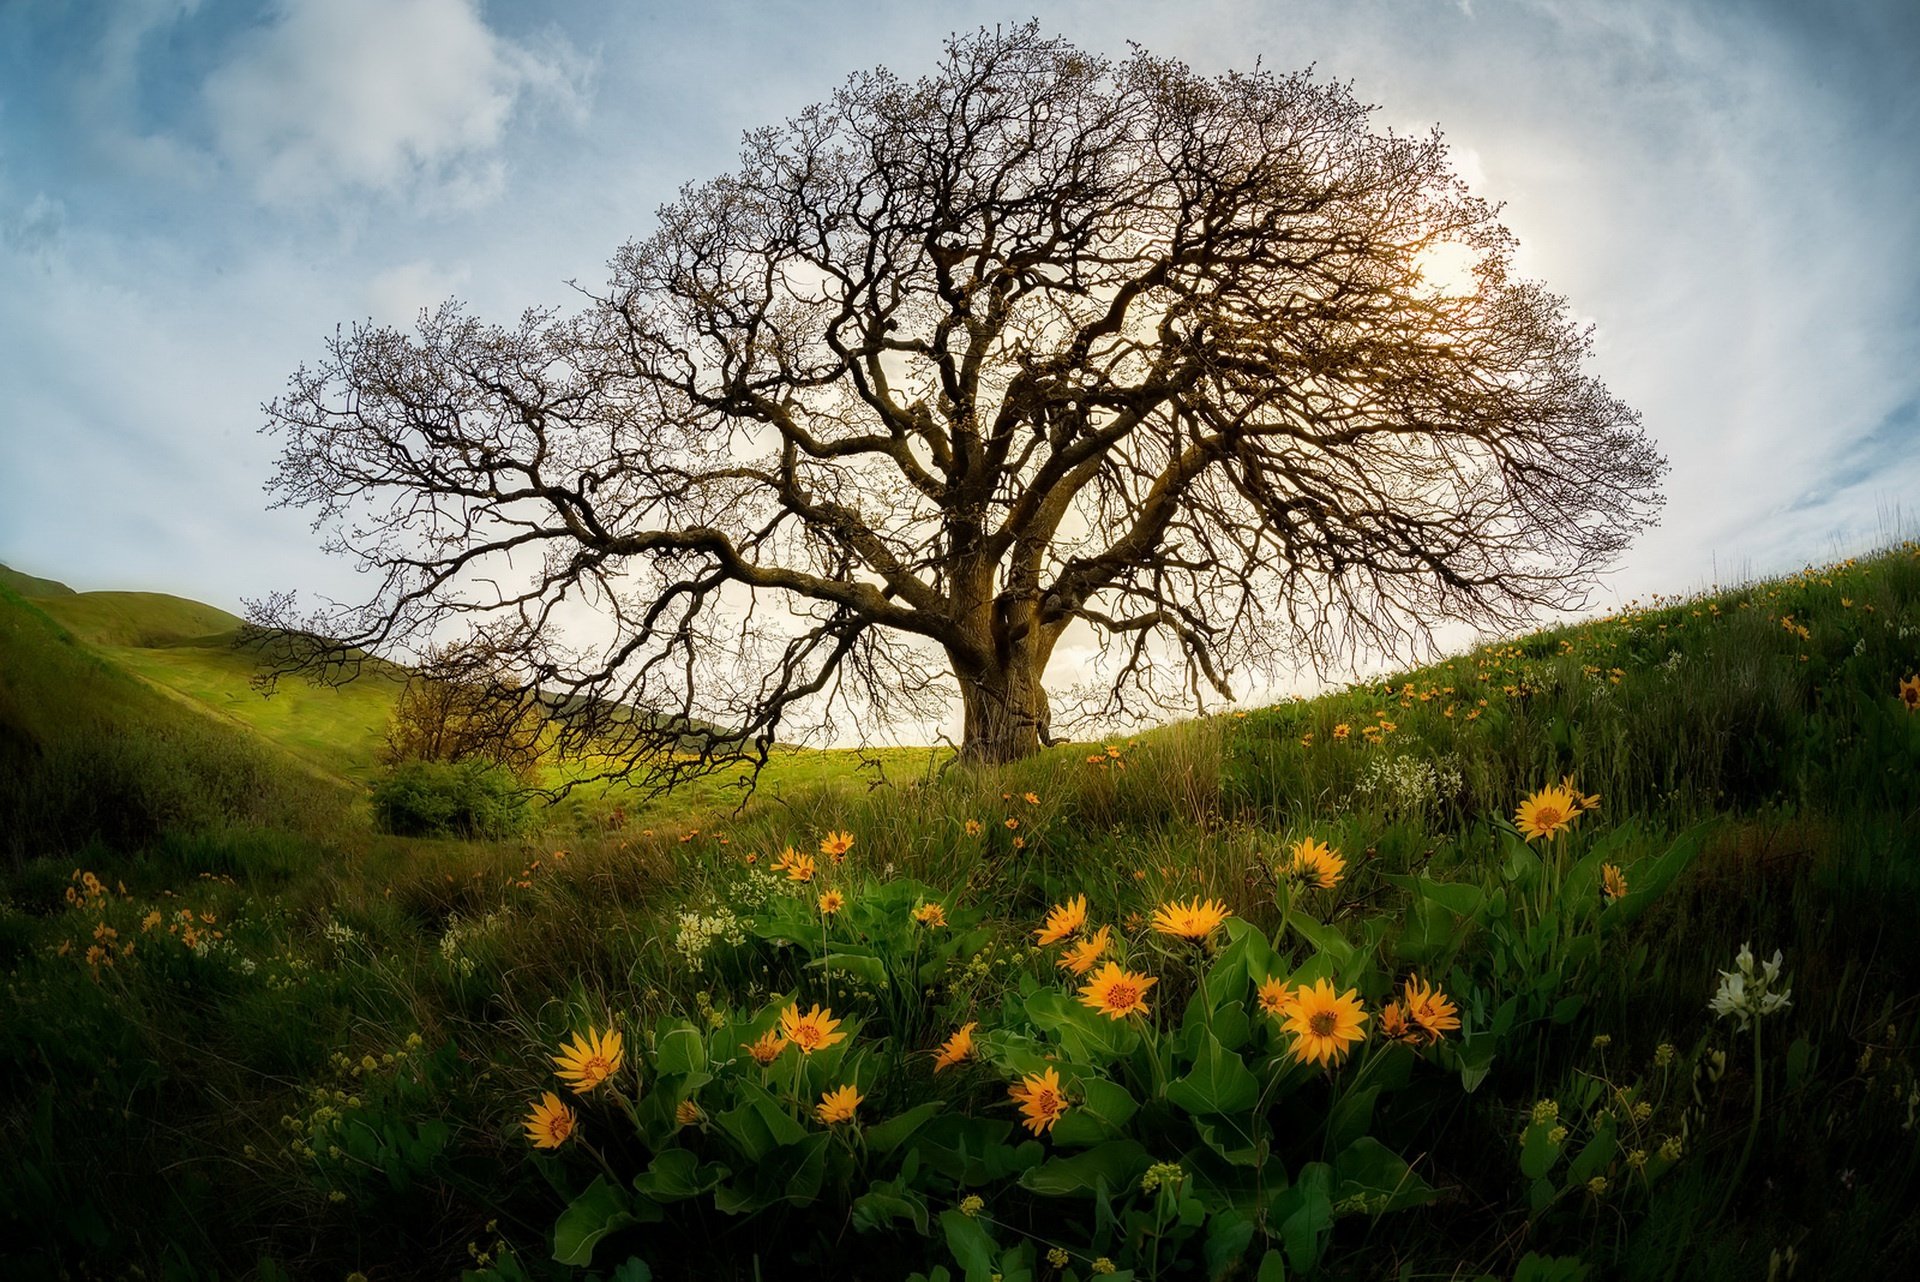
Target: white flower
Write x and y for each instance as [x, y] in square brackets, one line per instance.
[1745, 995]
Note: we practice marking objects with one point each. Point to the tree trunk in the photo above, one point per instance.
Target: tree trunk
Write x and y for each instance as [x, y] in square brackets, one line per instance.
[1006, 710]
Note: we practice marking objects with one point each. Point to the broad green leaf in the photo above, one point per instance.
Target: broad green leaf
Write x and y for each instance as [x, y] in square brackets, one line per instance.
[970, 1243]
[1369, 1170]
[868, 970]
[600, 1210]
[898, 1129]
[676, 1175]
[1229, 1234]
[1304, 1213]
[1116, 1163]
[1103, 1109]
[759, 1125]
[1538, 1153]
[1219, 1081]
[679, 1049]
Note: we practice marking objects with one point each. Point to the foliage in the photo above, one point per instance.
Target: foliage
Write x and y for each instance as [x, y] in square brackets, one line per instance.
[440, 799]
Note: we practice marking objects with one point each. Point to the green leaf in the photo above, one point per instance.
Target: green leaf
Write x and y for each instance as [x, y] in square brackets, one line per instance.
[1219, 1081]
[1595, 1155]
[1116, 1163]
[676, 1174]
[1368, 1169]
[1538, 1153]
[1087, 1036]
[970, 1243]
[600, 1210]
[1272, 1268]
[1304, 1213]
[1103, 1109]
[1326, 940]
[759, 1125]
[1229, 1234]
[1348, 1119]
[1647, 880]
[888, 1201]
[634, 1270]
[868, 970]
[679, 1049]
[897, 1130]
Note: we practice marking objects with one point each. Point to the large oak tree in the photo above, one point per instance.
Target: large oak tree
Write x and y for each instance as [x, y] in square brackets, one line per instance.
[950, 367]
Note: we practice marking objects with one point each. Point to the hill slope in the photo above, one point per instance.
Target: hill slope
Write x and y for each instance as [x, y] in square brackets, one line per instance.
[28, 585]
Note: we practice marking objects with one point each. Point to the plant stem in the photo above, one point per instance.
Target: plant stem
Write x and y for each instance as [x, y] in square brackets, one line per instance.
[1753, 1126]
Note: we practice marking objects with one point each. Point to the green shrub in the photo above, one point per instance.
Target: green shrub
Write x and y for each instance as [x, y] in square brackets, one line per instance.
[436, 799]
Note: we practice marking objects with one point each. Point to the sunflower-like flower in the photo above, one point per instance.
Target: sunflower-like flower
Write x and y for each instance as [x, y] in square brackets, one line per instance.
[1041, 1100]
[931, 916]
[1063, 920]
[973, 827]
[1910, 693]
[1587, 801]
[832, 902]
[1082, 954]
[686, 1113]
[549, 1123]
[1275, 998]
[1194, 921]
[1396, 1027]
[1613, 882]
[813, 1031]
[1547, 813]
[585, 1062]
[1322, 1024]
[767, 1048]
[955, 1049]
[835, 845]
[797, 866]
[1315, 863]
[837, 1105]
[1117, 993]
[1429, 1009]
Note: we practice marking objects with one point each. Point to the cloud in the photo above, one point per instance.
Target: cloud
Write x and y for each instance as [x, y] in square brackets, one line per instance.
[397, 295]
[397, 97]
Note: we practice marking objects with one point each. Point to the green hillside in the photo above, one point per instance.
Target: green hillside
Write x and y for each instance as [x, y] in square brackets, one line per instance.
[1430, 977]
[136, 618]
[27, 585]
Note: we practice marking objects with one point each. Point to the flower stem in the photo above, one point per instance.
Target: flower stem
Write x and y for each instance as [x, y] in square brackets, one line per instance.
[1753, 1126]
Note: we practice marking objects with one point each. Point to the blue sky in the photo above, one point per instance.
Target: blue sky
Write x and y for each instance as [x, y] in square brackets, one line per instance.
[192, 195]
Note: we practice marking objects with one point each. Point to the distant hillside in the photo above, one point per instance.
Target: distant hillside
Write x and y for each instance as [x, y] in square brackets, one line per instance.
[27, 585]
[137, 618]
[90, 752]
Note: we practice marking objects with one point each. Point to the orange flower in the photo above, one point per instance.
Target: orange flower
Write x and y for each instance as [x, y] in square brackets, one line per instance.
[686, 1113]
[1031, 798]
[835, 845]
[1275, 998]
[1910, 693]
[585, 1062]
[837, 1106]
[973, 827]
[1040, 1099]
[1117, 993]
[767, 1048]
[930, 915]
[831, 903]
[549, 1123]
[812, 1031]
[1430, 1009]
[1315, 863]
[1396, 1027]
[1194, 921]
[1547, 813]
[1613, 882]
[1323, 1025]
[1080, 957]
[956, 1048]
[1063, 920]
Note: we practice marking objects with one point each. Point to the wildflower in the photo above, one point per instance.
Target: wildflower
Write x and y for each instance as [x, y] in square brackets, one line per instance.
[973, 827]
[1396, 1027]
[835, 845]
[813, 1031]
[930, 915]
[1547, 813]
[1103, 1265]
[1557, 1136]
[1910, 693]
[1342, 730]
[1322, 1024]
[1431, 1010]
[767, 1048]
[800, 868]
[1671, 1148]
[1545, 1111]
[1613, 882]
[1275, 998]
[1746, 994]
[1663, 1055]
[584, 1063]
[1031, 798]
[971, 1205]
[1315, 863]
[1586, 802]
[955, 1049]
[1602, 1041]
[832, 902]
[549, 1123]
[1040, 1100]
[1116, 993]
[151, 920]
[1113, 751]
[1057, 1257]
[1597, 1186]
[686, 1113]
[1063, 920]
[837, 1105]
[1193, 921]
[1080, 957]
[1171, 1174]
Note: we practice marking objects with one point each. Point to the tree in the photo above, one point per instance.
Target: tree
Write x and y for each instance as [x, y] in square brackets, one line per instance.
[463, 706]
[947, 368]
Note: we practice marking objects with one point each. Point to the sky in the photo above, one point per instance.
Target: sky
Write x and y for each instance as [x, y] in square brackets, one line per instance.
[193, 195]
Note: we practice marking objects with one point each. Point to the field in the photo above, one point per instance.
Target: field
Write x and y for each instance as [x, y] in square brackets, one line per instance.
[1501, 1028]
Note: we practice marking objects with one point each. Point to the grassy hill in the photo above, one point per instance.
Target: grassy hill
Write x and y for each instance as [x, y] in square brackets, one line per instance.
[28, 585]
[341, 1078]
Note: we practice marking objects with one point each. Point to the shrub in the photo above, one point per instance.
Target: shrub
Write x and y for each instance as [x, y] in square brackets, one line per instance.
[434, 799]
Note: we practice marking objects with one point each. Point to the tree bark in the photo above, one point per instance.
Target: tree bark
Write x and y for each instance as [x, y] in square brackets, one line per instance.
[1006, 713]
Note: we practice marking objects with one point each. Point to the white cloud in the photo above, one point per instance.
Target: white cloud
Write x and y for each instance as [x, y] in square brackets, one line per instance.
[397, 295]
[405, 97]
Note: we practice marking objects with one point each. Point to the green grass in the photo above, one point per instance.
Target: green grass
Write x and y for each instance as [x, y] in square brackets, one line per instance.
[27, 585]
[137, 618]
[175, 1109]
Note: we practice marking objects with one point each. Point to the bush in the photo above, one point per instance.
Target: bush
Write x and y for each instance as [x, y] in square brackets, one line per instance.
[435, 799]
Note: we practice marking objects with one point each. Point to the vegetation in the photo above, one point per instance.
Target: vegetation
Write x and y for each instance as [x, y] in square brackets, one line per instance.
[1470, 972]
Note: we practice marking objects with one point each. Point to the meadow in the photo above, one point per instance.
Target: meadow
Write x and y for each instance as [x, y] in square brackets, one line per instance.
[1466, 973]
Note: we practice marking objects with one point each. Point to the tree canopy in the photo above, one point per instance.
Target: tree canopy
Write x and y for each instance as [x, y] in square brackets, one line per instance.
[946, 368]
